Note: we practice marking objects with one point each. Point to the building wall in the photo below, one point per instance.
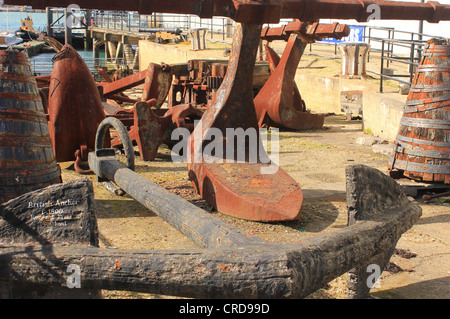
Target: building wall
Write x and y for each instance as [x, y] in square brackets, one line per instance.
[172, 54]
[382, 112]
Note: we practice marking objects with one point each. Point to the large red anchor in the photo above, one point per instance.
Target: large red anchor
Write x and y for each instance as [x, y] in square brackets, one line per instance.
[279, 102]
[251, 187]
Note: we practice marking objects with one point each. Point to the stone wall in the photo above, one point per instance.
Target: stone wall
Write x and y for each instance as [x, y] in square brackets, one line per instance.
[382, 112]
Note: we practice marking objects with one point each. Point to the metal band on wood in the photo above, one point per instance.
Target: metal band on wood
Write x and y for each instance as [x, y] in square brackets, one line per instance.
[427, 68]
[46, 173]
[427, 107]
[442, 98]
[422, 142]
[420, 168]
[426, 123]
[429, 88]
[417, 151]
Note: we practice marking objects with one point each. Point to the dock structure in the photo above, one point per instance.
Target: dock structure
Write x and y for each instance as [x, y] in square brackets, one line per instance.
[71, 24]
[117, 43]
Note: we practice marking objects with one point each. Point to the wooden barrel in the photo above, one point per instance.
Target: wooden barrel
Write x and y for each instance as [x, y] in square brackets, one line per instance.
[27, 161]
[422, 146]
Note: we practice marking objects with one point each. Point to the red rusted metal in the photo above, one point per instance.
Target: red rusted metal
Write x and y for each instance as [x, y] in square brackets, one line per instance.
[27, 161]
[43, 80]
[198, 80]
[422, 145]
[111, 87]
[240, 188]
[152, 127]
[149, 125]
[261, 11]
[148, 129]
[279, 102]
[156, 79]
[74, 108]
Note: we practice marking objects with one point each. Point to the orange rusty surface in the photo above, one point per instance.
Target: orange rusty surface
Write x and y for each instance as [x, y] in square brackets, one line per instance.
[240, 190]
[422, 146]
[74, 106]
[279, 102]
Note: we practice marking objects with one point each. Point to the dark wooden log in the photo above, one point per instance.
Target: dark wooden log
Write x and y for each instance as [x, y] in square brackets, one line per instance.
[369, 192]
[200, 226]
[267, 271]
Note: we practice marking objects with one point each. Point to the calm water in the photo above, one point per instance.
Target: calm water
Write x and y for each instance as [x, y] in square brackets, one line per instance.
[42, 63]
[10, 21]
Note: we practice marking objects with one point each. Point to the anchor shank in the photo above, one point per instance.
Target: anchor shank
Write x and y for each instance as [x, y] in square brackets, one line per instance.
[192, 221]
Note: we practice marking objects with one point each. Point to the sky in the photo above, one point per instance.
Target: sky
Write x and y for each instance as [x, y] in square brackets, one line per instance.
[441, 29]
[437, 29]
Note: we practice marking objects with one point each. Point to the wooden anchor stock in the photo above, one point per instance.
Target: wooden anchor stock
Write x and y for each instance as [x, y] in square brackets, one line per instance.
[237, 266]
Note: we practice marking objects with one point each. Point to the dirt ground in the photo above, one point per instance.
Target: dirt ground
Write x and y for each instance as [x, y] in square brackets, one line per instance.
[316, 159]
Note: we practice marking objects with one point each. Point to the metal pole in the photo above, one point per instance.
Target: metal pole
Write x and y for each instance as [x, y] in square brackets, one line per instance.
[49, 21]
[421, 25]
[411, 66]
[67, 28]
[382, 66]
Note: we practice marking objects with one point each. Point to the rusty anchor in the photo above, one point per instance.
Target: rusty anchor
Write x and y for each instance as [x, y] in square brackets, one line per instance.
[279, 103]
[239, 187]
[232, 183]
[148, 124]
[379, 212]
[152, 127]
[157, 79]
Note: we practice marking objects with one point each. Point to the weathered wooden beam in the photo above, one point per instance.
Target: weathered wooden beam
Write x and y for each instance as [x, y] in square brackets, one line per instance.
[47, 233]
[194, 222]
[273, 270]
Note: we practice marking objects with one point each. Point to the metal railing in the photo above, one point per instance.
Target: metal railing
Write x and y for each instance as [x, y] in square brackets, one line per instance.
[412, 43]
[390, 42]
[387, 57]
[156, 22]
[44, 66]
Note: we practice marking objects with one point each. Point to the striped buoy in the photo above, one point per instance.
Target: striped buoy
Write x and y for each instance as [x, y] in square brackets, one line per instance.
[27, 161]
[422, 146]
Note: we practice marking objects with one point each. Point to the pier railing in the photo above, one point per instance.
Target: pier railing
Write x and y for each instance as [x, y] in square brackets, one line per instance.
[393, 47]
[44, 65]
[134, 22]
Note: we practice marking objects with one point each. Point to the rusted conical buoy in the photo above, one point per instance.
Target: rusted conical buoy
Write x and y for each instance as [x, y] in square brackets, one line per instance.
[27, 161]
[74, 107]
[422, 146]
